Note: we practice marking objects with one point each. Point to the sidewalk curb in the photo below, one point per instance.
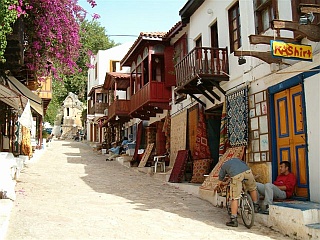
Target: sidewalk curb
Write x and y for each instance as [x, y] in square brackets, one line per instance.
[6, 206]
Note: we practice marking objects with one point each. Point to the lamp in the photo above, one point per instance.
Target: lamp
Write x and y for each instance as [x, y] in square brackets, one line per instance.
[241, 60]
[117, 118]
[307, 18]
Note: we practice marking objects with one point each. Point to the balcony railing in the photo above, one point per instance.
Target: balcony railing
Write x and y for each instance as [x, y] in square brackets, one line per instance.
[152, 92]
[97, 108]
[202, 62]
[119, 107]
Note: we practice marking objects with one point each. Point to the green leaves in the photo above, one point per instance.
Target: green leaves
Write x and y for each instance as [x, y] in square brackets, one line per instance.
[7, 18]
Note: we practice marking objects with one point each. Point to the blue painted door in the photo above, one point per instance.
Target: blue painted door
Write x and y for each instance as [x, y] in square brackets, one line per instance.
[290, 134]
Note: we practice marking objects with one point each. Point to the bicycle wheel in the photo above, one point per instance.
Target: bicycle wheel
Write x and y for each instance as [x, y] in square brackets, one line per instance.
[247, 210]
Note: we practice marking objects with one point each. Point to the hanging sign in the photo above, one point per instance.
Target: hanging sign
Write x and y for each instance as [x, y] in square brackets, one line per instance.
[291, 50]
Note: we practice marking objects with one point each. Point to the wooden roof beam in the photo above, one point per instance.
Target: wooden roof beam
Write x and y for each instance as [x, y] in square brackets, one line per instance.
[311, 31]
[307, 8]
[197, 99]
[260, 39]
[264, 56]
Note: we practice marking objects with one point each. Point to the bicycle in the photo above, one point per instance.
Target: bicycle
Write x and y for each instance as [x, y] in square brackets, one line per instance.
[245, 205]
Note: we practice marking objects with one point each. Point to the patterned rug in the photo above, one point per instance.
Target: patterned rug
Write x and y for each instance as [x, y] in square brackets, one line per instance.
[146, 155]
[201, 148]
[179, 166]
[166, 129]
[237, 116]
[223, 132]
[178, 135]
[211, 181]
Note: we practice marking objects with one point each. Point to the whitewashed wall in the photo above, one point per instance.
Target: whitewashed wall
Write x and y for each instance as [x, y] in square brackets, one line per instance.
[312, 89]
[103, 59]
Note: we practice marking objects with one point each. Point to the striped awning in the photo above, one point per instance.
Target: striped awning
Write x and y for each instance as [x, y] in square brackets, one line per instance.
[35, 100]
[12, 98]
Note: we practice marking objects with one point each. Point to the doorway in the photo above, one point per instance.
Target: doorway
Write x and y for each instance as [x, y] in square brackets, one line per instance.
[289, 135]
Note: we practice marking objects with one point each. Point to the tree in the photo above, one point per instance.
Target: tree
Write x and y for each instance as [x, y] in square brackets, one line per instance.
[92, 38]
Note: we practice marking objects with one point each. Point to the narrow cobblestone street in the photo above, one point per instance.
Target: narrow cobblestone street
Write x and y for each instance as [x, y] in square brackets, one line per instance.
[71, 192]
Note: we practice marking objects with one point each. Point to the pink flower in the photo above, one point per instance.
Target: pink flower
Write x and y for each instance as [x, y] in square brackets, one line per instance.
[96, 16]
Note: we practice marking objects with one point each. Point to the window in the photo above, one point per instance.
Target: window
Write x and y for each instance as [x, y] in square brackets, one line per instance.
[180, 49]
[214, 35]
[234, 27]
[214, 38]
[264, 14]
[199, 45]
[113, 66]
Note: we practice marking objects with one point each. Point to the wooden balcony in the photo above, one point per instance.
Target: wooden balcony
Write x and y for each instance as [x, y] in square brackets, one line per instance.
[151, 99]
[97, 108]
[201, 70]
[119, 110]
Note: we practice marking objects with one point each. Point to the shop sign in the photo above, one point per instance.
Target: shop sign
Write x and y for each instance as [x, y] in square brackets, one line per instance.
[291, 50]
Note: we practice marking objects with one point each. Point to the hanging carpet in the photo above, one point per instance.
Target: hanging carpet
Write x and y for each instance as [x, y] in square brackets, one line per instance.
[211, 181]
[201, 152]
[223, 132]
[179, 166]
[237, 115]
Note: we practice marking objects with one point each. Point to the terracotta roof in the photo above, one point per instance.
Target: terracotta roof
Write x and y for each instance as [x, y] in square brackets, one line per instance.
[117, 75]
[143, 36]
[122, 79]
[174, 30]
[92, 90]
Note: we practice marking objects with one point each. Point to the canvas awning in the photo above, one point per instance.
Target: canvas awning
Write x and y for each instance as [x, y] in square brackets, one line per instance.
[12, 98]
[35, 101]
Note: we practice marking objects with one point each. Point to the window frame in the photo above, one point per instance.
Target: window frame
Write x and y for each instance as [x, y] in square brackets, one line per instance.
[260, 6]
[237, 29]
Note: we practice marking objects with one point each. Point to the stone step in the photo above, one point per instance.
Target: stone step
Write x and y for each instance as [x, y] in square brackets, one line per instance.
[313, 230]
[314, 225]
[295, 219]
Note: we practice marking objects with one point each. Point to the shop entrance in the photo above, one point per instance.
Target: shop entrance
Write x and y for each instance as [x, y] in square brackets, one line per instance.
[290, 135]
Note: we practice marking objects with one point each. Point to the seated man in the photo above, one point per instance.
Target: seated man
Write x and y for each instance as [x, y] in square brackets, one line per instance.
[113, 152]
[124, 145]
[281, 188]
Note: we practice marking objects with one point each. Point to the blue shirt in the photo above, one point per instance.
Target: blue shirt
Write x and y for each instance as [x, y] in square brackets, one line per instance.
[115, 150]
[232, 167]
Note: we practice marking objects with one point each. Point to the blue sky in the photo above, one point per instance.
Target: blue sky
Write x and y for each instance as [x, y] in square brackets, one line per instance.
[130, 17]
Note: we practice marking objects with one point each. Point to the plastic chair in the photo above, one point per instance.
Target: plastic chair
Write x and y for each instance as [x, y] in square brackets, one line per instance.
[158, 161]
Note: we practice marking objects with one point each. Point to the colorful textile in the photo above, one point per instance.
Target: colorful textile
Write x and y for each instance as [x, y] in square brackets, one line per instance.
[146, 155]
[201, 167]
[178, 135]
[201, 149]
[179, 166]
[237, 115]
[138, 141]
[166, 129]
[211, 181]
[223, 132]
[26, 147]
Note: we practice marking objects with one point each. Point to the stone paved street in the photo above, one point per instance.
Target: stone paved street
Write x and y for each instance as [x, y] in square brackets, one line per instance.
[71, 192]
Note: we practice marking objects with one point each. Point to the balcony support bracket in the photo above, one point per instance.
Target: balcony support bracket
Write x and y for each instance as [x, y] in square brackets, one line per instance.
[311, 31]
[197, 99]
[264, 56]
[203, 90]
